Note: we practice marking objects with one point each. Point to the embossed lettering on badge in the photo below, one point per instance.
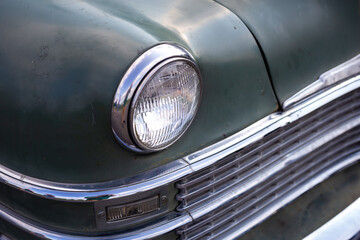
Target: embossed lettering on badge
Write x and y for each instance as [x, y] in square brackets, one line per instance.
[120, 212]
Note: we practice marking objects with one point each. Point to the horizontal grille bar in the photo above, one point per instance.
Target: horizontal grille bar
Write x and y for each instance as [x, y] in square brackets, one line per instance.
[298, 152]
[261, 151]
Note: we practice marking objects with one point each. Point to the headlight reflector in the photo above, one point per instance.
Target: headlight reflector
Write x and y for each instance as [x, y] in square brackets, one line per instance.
[166, 104]
[157, 99]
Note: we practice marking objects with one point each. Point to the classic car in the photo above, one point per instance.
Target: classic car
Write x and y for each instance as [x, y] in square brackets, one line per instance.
[179, 119]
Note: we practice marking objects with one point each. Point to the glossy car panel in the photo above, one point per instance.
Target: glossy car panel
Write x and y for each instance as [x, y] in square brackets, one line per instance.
[56, 90]
[301, 39]
[243, 157]
[268, 128]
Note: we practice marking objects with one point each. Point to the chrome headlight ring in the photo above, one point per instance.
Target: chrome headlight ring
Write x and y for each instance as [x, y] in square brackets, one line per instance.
[143, 70]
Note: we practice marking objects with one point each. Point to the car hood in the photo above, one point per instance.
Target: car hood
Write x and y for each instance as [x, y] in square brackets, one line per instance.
[61, 62]
[300, 39]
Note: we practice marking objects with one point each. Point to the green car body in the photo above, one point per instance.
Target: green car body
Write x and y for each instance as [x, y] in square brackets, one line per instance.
[61, 62]
[61, 112]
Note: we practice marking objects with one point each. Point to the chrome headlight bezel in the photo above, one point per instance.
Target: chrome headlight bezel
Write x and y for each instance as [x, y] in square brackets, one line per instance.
[131, 85]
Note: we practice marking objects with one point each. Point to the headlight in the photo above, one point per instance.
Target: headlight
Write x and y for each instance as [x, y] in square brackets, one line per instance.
[157, 99]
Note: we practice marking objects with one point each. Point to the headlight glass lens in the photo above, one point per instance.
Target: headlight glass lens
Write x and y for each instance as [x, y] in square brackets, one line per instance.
[165, 105]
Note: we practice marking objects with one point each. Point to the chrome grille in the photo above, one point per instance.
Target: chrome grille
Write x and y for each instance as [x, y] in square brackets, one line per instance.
[247, 165]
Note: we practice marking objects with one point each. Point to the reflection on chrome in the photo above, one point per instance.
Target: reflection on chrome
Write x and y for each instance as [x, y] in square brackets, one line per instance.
[174, 171]
[177, 169]
[345, 225]
[345, 70]
[136, 76]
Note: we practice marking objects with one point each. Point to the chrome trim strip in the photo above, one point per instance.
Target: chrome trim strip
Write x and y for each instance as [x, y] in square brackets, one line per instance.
[173, 171]
[217, 151]
[334, 75]
[133, 78]
[182, 220]
[270, 210]
[91, 192]
[40, 232]
[345, 225]
[277, 167]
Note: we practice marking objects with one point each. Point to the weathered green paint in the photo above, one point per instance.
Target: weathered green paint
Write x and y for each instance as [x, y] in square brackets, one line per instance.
[301, 39]
[78, 217]
[14, 233]
[61, 62]
[75, 217]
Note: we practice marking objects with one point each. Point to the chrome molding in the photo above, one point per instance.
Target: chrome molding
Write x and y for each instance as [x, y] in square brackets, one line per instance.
[345, 225]
[273, 170]
[137, 73]
[270, 210]
[42, 233]
[212, 154]
[335, 75]
[91, 192]
[173, 171]
[28, 226]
